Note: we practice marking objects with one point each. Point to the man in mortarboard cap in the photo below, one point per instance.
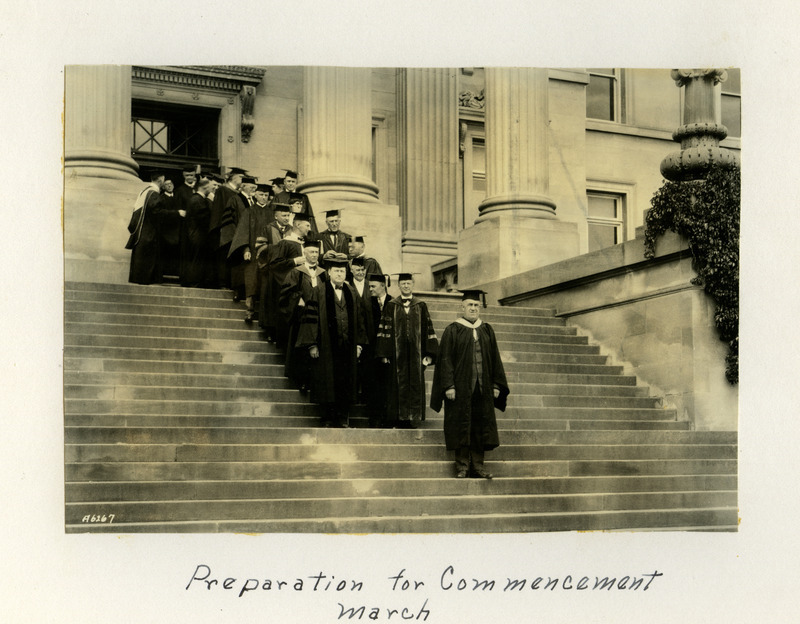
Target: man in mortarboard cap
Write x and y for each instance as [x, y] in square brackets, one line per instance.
[194, 252]
[358, 250]
[144, 241]
[169, 230]
[373, 372]
[254, 219]
[296, 291]
[407, 343]
[266, 244]
[283, 257]
[284, 197]
[332, 329]
[225, 211]
[333, 239]
[470, 380]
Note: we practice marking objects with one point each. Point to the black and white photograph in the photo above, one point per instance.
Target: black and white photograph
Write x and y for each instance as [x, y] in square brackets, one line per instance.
[399, 312]
[312, 299]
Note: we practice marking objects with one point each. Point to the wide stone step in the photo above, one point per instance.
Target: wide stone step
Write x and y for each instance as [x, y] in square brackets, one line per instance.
[231, 329]
[320, 435]
[116, 312]
[237, 329]
[241, 445]
[113, 380]
[486, 523]
[255, 344]
[294, 508]
[515, 373]
[404, 469]
[322, 488]
[134, 354]
[196, 298]
[128, 366]
[358, 421]
[167, 407]
[141, 290]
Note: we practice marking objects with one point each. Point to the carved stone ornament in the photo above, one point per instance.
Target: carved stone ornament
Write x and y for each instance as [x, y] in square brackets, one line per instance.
[682, 76]
[462, 137]
[469, 99]
[248, 98]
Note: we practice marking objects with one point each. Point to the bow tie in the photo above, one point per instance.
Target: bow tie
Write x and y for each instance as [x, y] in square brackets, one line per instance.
[338, 287]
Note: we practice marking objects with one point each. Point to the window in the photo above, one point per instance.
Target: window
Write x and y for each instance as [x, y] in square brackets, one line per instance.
[169, 136]
[604, 95]
[473, 172]
[606, 219]
[732, 103]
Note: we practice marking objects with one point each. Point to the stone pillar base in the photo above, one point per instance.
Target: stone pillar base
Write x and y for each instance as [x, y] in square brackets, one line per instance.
[421, 250]
[378, 223]
[507, 243]
[96, 216]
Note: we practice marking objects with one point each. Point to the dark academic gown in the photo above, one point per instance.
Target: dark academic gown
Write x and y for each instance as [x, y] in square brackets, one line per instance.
[169, 228]
[365, 363]
[252, 223]
[283, 198]
[145, 242]
[374, 373]
[194, 244]
[334, 372]
[334, 241]
[296, 292]
[281, 263]
[225, 211]
[406, 338]
[454, 369]
[267, 239]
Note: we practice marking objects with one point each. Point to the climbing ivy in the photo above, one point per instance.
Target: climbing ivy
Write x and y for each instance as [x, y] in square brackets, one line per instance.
[706, 213]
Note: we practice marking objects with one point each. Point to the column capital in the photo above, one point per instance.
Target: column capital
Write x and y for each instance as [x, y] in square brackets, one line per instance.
[684, 76]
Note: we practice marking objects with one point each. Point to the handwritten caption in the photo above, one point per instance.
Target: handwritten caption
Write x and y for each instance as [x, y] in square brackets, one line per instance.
[450, 580]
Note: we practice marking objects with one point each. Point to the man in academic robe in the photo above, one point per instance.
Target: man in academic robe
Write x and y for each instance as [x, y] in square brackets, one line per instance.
[374, 372]
[332, 330]
[268, 239]
[357, 250]
[185, 190]
[235, 260]
[283, 258]
[334, 241]
[225, 211]
[296, 292]
[470, 380]
[407, 343]
[194, 249]
[144, 241]
[283, 196]
[169, 230]
[356, 277]
[254, 219]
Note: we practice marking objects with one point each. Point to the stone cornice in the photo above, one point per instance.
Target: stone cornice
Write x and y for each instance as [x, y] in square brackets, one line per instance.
[230, 78]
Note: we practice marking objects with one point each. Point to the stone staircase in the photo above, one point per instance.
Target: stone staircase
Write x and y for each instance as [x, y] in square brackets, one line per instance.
[178, 419]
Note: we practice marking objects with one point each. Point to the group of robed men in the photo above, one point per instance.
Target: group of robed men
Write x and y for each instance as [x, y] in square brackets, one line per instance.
[346, 339]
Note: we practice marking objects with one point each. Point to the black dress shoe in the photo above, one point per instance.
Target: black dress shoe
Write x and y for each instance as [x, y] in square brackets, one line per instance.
[249, 317]
[461, 474]
[480, 473]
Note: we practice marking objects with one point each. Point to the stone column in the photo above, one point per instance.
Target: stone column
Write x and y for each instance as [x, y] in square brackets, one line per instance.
[517, 158]
[517, 228]
[701, 132]
[335, 170]
[97, 120]
[428, 186]
[337, 124]
[100, 176]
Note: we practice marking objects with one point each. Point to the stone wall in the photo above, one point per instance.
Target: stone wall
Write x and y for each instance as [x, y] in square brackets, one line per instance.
[647, 316]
